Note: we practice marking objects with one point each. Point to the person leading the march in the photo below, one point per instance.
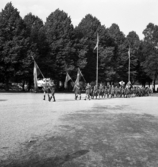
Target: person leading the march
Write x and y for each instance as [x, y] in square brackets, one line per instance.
[45, 88]
[88, 90]
[52, 90]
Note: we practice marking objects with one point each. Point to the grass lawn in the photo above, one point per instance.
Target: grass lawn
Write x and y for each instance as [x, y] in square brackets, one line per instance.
[93, 138]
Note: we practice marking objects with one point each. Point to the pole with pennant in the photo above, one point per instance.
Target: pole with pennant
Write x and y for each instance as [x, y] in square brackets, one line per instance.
[36, 72]
[96, 47]
[79, 74]
[68, 78]
[37, 67]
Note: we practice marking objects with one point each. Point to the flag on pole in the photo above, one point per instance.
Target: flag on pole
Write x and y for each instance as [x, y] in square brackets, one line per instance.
[66, 80]
[129, 53]
[79, 74]
[36, 72]
[96, 46]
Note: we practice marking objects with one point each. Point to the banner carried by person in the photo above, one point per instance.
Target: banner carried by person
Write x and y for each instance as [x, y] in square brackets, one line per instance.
[129, 83]
[36, 73]
[79, 74]
[67, 79]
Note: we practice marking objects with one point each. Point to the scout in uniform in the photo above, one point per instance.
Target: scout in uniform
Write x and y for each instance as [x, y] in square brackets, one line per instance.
[77, 90]
[52, 90]
[88, 91]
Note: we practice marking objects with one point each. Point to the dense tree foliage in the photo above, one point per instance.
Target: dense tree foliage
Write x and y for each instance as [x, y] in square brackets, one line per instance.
[150, 52]
[134, 44]
[38, 46]
[59, 47]
[87, 32]
[13, 44]
[60, 35]
[119, 54]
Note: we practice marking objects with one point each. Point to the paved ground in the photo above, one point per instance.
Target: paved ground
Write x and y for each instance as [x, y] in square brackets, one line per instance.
[25, 117]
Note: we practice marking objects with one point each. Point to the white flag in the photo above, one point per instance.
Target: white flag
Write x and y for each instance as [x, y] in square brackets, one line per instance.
[96, 46]
[129, 53]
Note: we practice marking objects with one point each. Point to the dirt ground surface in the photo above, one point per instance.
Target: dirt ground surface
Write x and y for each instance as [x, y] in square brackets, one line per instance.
[120, 132]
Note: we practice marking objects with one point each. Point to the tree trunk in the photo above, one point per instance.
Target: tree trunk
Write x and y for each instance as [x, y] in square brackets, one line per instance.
[154, 86]
[149, 83]
[143, 84]
[29, 85]
[6, 84]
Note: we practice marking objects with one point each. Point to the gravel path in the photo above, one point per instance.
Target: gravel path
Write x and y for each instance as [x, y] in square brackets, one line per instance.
[25, 116]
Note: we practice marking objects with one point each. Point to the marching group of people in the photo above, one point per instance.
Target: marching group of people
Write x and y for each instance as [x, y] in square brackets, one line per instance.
[101, 91]
[111, 91]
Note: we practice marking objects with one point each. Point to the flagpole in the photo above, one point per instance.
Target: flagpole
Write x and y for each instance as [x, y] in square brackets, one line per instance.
[97, 69]
[129, 61]
[97, 45]
[129, 66]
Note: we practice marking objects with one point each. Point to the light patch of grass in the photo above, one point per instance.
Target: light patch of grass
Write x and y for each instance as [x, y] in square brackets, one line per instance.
[94, 138]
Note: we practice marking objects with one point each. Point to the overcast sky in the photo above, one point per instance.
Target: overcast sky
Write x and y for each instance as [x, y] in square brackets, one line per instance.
[130, 15]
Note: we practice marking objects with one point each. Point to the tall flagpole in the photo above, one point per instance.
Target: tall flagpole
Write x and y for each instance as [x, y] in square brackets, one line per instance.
[129, 65]
[97, 68]
[97, 45]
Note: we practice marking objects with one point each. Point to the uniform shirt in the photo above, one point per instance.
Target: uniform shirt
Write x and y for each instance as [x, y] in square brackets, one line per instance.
[76, 87]
[95, 87]
[88, 88]
[100, 87]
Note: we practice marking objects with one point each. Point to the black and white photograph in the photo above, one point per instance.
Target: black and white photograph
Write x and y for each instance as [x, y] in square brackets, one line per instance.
[79, 83]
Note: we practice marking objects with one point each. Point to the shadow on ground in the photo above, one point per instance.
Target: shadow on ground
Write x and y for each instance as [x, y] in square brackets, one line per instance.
[94, 138]
[3, 100]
